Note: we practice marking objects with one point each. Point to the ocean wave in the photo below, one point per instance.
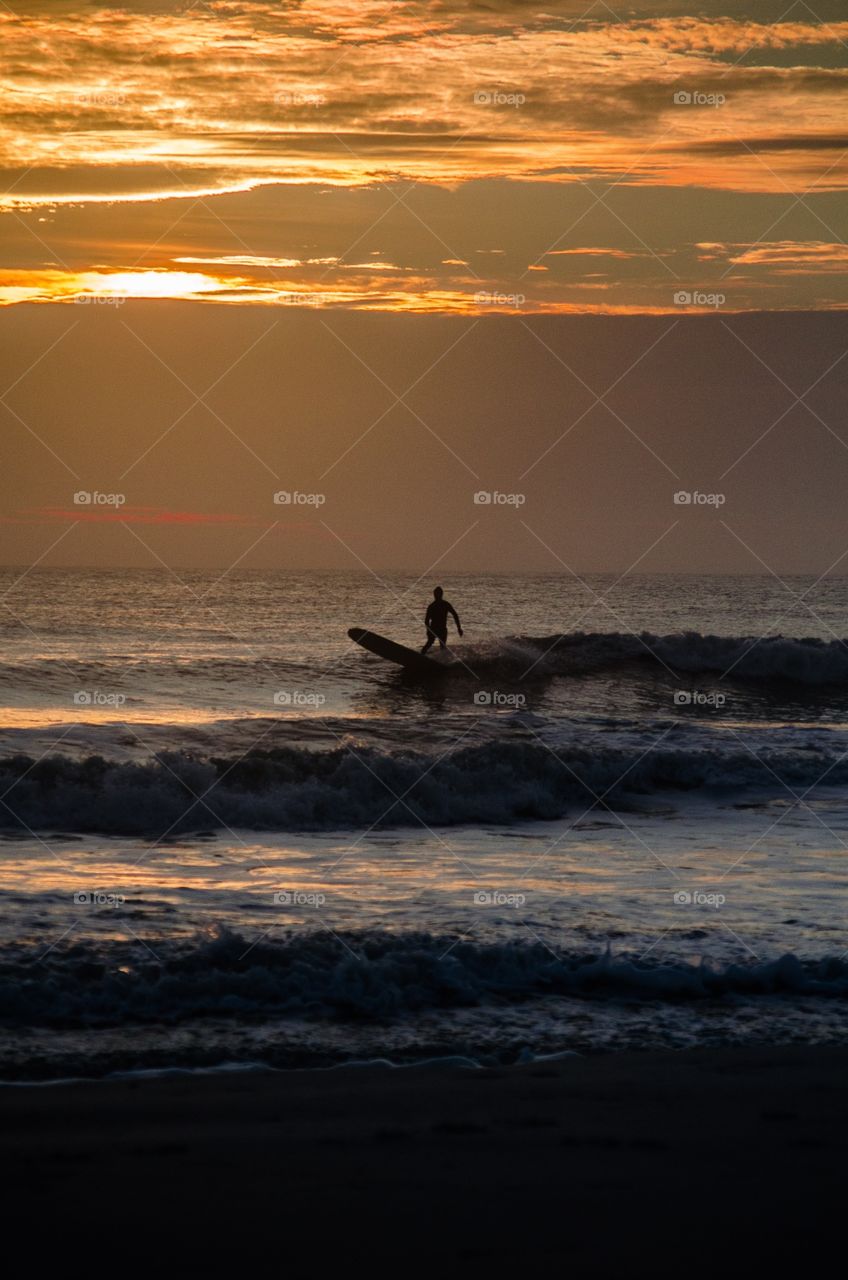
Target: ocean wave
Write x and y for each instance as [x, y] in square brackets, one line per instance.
[778, 659]
[360, 975]
[743, 658]
[128, 670]
[300, 789]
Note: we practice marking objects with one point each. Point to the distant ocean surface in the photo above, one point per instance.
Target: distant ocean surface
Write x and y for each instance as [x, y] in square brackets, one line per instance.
[617, 817]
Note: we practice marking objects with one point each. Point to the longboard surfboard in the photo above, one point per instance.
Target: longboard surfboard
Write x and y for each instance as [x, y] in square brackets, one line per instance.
[393, 652]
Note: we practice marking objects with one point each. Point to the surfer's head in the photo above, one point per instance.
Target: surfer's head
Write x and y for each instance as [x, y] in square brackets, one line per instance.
[438, 592]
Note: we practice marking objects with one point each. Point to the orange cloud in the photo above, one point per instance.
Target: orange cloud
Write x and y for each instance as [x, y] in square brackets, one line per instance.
[241, 110]
[228, 96]
[813, 255]
[108, 286]
[596, 252]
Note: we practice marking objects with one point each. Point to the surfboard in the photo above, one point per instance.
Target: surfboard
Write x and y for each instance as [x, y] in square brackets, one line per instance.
[393, 652]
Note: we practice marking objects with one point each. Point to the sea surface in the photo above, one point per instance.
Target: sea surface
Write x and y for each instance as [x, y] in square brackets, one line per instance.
[616, 816]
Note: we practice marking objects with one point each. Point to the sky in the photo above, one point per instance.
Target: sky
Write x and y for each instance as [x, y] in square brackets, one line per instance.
[384, 257]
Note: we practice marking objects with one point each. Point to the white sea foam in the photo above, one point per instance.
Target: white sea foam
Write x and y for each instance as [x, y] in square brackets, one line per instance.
[292, 788]
[375, 975]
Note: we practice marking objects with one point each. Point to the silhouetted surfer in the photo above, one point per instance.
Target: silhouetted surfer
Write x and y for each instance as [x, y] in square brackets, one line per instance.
[436, 619]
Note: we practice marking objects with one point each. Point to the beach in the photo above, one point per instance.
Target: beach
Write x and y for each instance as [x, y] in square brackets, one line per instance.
[657, 1162]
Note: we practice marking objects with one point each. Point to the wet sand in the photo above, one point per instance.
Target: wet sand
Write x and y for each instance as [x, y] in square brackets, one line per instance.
[691, 1162]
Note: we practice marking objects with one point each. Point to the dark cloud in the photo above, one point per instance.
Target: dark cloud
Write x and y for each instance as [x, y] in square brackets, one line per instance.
[781, 142]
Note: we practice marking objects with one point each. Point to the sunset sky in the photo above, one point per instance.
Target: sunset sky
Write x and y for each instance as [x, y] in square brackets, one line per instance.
[603, 252]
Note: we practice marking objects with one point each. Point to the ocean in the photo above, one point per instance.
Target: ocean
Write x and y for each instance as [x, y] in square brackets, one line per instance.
[615, 818]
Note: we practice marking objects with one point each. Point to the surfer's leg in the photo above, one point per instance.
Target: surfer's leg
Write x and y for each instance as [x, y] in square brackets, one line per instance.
[430, 638]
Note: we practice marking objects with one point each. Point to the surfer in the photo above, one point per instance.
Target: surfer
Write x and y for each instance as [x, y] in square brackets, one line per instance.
[436, 619]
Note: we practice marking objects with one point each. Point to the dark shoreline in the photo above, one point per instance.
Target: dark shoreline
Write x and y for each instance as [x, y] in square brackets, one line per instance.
[689, 1161]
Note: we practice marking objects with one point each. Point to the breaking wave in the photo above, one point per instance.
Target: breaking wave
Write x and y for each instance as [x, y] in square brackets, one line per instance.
[298, 789]
[773, 658]
[748, 658]
[373, 976]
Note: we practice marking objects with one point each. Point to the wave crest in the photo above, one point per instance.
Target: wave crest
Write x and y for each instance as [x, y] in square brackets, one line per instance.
[807, 661]
[298, 789]
[375, 975]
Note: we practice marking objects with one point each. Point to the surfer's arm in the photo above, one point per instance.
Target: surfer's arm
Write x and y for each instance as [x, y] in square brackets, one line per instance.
[456, 618]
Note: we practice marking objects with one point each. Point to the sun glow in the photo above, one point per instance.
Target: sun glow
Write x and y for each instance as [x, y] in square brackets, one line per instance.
[109, 286]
